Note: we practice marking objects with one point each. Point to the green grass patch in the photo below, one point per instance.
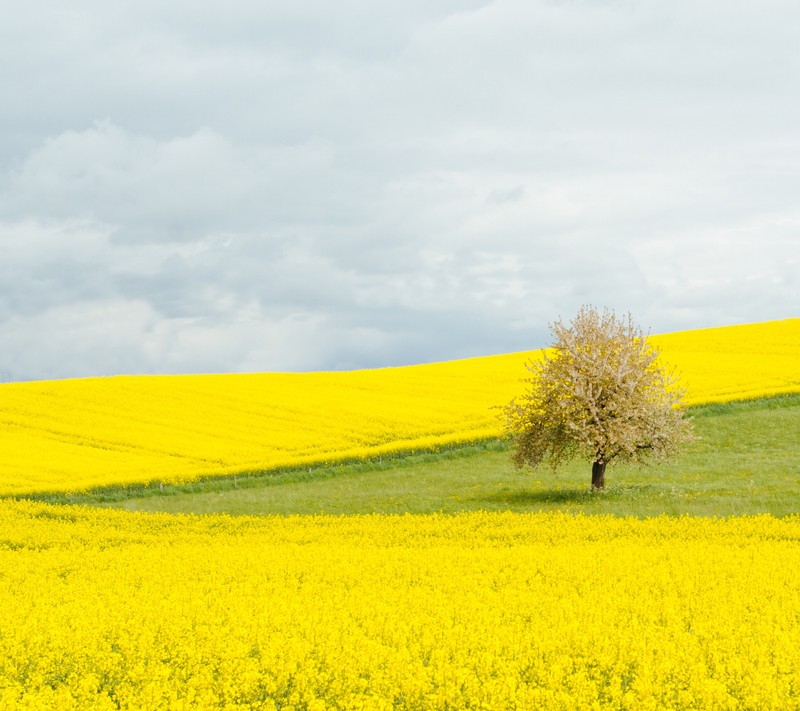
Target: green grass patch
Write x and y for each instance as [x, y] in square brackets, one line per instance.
[746, 461]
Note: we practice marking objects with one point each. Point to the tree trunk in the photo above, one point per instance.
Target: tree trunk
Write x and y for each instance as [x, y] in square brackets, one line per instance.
[599, 475]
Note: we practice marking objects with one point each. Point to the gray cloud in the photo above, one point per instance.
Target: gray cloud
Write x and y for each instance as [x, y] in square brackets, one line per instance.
[304, 186]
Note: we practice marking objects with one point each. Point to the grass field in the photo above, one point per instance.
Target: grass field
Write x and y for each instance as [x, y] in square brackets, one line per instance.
[746, 461]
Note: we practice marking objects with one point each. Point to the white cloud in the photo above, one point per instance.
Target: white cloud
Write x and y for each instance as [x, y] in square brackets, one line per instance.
[305, 185]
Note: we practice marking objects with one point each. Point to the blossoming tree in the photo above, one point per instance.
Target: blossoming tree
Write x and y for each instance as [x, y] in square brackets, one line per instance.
[600, 394]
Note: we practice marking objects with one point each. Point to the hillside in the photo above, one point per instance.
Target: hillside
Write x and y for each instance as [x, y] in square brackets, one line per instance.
[74, 435]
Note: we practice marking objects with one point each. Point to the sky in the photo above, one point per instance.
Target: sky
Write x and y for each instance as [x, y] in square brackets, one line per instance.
[297, 185]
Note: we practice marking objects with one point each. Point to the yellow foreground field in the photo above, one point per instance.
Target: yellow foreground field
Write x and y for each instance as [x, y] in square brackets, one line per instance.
[107, 609]
[73, 435]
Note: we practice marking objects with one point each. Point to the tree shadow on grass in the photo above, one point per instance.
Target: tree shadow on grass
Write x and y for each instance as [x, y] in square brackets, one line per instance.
[578, 496]
[527, 497]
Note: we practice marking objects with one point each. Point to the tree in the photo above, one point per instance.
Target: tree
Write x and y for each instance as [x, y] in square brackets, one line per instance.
[598, 394]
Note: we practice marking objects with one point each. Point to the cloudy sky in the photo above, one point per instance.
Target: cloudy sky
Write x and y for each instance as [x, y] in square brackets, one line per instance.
[301, 185]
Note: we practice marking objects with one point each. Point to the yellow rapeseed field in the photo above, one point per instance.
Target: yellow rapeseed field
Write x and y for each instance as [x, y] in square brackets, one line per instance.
[115, 610]
[72, 435]
[735, 362]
